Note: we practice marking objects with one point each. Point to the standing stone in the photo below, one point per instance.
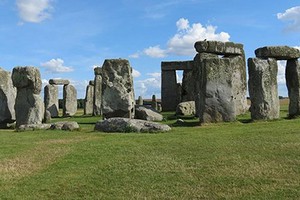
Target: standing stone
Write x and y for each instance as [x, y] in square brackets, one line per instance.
[69, 100]
[29, 106]
[88, 101]
[216, 93]
[263, 88]
[140, 101]
[154, 102]
[292, 76]
[169, 90]
[97, 92]
[51, 99]
[188, 86]
[117, 89]
[7, 97]
[239, 84]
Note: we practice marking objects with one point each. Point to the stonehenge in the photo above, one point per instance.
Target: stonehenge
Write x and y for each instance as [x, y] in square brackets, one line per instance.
[89, 99]
[97, 101]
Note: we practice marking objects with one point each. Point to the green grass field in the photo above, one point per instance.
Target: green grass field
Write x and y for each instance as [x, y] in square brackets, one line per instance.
[239, 160]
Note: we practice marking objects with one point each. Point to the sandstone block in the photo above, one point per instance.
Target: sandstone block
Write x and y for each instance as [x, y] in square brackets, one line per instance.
[147, 114]
[277, 52]
[292, 75]
[51, 99]
[59, 82]
[186, 108]
[89, 99]
[69, 100]
[219, 48]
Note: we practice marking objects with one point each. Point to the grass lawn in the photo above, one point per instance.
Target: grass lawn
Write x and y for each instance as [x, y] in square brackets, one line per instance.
[237, 160]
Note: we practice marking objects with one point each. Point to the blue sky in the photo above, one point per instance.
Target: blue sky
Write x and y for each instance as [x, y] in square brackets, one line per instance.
[67, 38]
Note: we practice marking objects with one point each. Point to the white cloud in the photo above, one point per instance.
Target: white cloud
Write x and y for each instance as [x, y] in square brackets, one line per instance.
[34, 11]
[281, 72]
[135, 73]
[293, 15]
[56, 66]
[149, 86]
[182, 43]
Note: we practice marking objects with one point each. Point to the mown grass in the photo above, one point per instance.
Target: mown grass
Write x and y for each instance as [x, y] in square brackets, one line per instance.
[237, 160]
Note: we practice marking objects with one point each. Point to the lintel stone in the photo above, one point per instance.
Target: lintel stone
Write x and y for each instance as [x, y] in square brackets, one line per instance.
[59, 82]
[177, 65]
[277, 52]
[219, 48]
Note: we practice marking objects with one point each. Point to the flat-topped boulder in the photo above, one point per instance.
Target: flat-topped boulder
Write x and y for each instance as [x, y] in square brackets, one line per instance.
[59, 82]
[277, 52]
[126, 125]
[219, 48]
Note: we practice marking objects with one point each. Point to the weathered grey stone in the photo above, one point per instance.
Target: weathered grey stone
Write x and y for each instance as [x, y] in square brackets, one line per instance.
[277, 52]
[33, 127]
[154, 102]
[216, 93]
[47, 117]
[186, 108]
[219, 48]
[292, 75]
[147, 114]
[7, 98]
[197, 74]
[69, 100]
[88, 101]
[169, 90]
[125, 125]
[188, 86]
[59, 82]
[97, 110]
[117, 89]
[239, 84]
[263, 88]
[67, 126]
[29, 107]
[27, 77]
[92, 82]
[51, 99]
[140, 101]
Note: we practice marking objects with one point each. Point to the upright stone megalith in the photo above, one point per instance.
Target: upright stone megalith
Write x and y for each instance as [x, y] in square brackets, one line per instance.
[89, 99]
[51, 99]
[117, 89]
[97, 92]
[263, 88]
[292, 74]
[7, 98]
[29, 106]
[69, 100]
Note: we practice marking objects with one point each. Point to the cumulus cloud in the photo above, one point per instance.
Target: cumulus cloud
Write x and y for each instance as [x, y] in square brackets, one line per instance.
[135, 73]
[291, 15]
[149, 86]
[34, 11]
[281, 72]
[182, 43]
[56, 66]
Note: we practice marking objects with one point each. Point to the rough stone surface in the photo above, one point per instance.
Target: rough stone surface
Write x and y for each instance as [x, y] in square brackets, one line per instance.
[51, 99]
[7, 97]
[27, 77]
[125, 125]
[47, 117]
[277, 52]
[188, 86]
[216, 93]
[89, 100]
[292, 75]
[140, 101]
[239, 84]
[69, 100]
[97, 110]
[29, 107]
[219, 48]
[92, 82]
[154, 102]
[117, 89]
[186, 108]
[32, 127]
[67, 126]
[263, 88]
[59, 82]
[169, 91]
[147, 114]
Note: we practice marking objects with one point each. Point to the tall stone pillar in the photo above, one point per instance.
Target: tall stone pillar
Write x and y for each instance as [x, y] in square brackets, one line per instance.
[97, 92]
[88, 101]
[51, 99]
[292, 75]
[69, 100]
[169, 91]
[263, 89]
[29, 106]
